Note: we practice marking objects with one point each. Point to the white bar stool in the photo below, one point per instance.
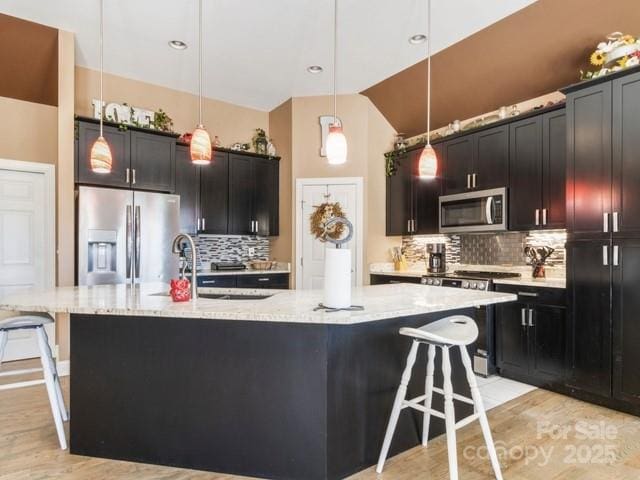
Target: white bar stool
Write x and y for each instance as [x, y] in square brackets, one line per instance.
[455, 331]
[37, 321]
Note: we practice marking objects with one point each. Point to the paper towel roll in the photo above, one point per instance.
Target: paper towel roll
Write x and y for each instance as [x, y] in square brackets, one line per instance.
[337, 278]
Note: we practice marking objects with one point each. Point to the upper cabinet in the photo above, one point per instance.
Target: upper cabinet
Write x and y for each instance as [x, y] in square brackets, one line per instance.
[188, 187]
[537, 164]
[253, 195]
[412, 202]
[214, 195]
[141, 160]
[478, 161]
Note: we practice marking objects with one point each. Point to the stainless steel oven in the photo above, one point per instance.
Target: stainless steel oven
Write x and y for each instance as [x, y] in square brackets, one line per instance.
[482, 211]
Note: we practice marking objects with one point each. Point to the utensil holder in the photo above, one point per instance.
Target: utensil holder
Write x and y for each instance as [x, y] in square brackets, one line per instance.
[400, 265]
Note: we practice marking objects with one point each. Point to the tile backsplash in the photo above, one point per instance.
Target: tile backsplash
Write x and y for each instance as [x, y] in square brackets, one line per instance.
[489, 249]
[230, 248]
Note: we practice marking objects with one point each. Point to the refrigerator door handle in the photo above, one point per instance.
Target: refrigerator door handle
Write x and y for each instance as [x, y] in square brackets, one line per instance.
[129, 241]
[137, 229]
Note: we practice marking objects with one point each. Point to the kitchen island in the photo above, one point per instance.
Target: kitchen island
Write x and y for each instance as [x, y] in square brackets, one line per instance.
[261, 387]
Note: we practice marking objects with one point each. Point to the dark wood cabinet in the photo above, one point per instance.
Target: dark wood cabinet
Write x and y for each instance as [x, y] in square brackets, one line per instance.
[512, 353]
[491, 158]
[253, 195]
[531, 335]
[525, 185]
[626, 327]
[152, 162]
[537, 161]
[626, 156]
[554, 169]
[589, 160]
[142, 160]
[188, 187]
[119, 143]
[265, 280]
[589, 297]
[412, 202]
[477, 161]
[382, 279]
[214, 195]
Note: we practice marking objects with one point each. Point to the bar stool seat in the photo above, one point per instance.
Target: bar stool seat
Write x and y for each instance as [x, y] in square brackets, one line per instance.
[36, 321]
[456, 331]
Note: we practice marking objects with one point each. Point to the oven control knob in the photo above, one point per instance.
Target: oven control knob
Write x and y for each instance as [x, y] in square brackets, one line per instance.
[482, 286]
[474, 285]
[465, 284]
[436, 282]
[423, 281]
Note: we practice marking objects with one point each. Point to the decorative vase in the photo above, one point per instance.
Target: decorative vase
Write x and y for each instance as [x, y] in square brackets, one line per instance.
[337, 278]
[260, 145]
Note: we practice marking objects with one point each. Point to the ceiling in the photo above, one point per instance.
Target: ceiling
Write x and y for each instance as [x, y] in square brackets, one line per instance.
[256, 51]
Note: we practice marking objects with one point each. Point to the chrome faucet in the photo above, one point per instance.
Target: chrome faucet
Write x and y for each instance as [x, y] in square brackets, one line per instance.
[177, 248]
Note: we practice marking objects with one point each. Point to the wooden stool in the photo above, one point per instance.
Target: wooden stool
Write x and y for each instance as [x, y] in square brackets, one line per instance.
[455, 331]
[37, 321]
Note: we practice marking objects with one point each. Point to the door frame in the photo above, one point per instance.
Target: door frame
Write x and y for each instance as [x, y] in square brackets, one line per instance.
[49, 172]
[358, 225]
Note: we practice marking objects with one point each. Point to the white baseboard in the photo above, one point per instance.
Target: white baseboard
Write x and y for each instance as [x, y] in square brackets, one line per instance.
[63, 368]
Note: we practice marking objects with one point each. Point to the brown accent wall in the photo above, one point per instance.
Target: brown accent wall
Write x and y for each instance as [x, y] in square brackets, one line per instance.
[28, 61]
[532, 52]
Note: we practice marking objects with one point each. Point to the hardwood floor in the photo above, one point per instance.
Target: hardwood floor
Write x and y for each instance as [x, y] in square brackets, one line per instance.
[539, 437]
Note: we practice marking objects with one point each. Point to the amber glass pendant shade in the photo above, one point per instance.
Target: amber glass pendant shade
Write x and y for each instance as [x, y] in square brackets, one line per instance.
[200, 146]
[100, 158]
[428, 163]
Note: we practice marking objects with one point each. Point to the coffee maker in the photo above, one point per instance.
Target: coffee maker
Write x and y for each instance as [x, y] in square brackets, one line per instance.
[436, 260]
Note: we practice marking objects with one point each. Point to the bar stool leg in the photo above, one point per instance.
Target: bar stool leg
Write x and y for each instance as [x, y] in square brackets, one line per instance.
[56, 379]
[50, 383]
[431, 357]
[4, 336]
[449, 415]
[397, 405]
[482, 415]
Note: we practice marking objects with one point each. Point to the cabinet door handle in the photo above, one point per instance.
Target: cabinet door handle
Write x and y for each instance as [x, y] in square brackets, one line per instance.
[616, 256]
[198, 224]
[544, 216]
[605, 222]
[523, 317]
[616, 221]
[474, 177]
[527, 294]
[468, 180]
[605, 255]
[203, 224]
[531, 318]
[133, 176]
[127, 180]
[408, 226]
[263, 279]
[537, 216]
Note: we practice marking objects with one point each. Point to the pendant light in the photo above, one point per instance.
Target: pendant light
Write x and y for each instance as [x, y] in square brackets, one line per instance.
[336, 147]
[428, 163]
[100, 157]
[200, 140]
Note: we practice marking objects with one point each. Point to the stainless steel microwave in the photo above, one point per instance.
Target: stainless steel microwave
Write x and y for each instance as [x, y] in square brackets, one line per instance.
[481, 211]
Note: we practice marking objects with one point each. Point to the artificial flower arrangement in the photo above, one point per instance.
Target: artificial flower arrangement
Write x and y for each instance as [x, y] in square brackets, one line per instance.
[617, 53]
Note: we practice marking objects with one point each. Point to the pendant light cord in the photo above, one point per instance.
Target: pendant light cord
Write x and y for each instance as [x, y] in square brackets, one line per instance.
[428, 72]
[200, 65]
[335, 65]
[101, 62]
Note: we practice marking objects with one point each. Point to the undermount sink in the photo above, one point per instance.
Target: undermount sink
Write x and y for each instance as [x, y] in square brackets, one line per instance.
[221, 296]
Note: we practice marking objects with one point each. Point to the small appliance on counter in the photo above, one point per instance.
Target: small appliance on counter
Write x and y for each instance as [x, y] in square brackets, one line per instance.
[436, 261]
[228, 266]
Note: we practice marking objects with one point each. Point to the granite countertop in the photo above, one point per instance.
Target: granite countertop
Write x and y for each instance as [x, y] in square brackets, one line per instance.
[380, 302]
[555, 279]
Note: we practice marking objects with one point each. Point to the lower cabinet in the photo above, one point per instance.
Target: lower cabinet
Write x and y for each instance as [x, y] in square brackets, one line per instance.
[531, 335]
[381, 279]
[267, 280]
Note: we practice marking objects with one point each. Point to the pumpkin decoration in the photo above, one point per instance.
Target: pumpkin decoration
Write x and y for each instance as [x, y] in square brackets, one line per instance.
[321, 216]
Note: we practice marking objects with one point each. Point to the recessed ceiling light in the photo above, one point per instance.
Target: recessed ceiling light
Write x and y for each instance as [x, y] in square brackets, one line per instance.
[417, 39]
[315, 69]
[177, 44]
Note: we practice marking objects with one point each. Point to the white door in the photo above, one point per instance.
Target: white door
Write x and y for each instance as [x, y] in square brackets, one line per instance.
[23, 244]
[311, 257]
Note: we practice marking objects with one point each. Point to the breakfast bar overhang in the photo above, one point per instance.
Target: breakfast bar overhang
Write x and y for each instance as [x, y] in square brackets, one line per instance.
[268, 388]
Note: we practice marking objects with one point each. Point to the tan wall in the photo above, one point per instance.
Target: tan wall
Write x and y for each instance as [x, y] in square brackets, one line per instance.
[28, 131]
[231, 123]
[369, 135]
[280, 124]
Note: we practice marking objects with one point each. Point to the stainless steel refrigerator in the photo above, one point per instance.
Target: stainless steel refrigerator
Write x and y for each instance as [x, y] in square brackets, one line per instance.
[125, 236]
